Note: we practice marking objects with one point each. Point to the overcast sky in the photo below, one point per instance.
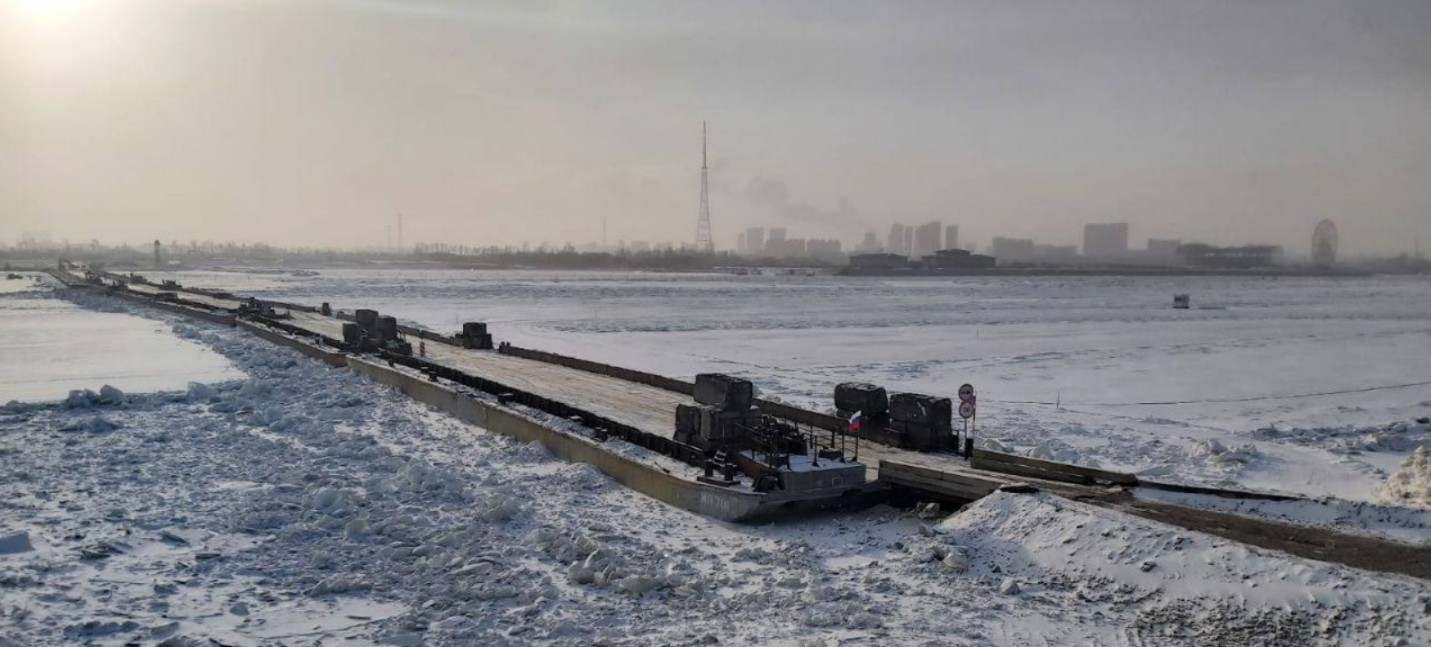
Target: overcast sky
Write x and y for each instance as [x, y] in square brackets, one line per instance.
[314, 122]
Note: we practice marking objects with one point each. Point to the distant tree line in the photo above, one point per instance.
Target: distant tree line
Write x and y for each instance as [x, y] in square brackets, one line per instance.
[569, 258]
[194, 253]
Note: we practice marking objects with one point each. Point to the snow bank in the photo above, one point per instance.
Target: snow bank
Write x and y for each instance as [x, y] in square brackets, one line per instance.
[1411, 483]
[1396, 437]
[1180, 585]
[1212, 451]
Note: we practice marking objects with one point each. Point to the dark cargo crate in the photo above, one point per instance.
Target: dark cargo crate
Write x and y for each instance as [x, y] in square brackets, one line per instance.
[724, 392]
[366, 318]
[921, 409]
[868, 399]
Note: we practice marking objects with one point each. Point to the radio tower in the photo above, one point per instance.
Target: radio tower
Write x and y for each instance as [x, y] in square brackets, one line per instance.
[703, 224]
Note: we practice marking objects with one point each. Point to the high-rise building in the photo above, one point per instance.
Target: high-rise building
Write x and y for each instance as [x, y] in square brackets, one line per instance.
[1012, 249]
[927, 239]
[1108, 242]
[870, 244]
[776, 234]
[755, 241]
[828, 251]
[740, 243]
[895, 243]
[908, 245]
[951, 237]
[782, 247]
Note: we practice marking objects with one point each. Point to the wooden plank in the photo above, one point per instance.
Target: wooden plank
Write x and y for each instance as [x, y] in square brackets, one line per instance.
[1117, 478]
[1031, 472]
[930, 485]
[1222, 492]
[889, 470]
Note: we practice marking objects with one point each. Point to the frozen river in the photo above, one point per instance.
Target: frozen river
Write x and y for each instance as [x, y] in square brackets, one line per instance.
[302, 504]
[50, 346]
[1090, 368]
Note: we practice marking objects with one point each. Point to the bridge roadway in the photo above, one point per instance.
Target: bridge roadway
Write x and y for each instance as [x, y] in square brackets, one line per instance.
[648, 408]
[653, 410]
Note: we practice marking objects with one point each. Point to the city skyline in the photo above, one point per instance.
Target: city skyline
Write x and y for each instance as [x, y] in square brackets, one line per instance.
[502, 122]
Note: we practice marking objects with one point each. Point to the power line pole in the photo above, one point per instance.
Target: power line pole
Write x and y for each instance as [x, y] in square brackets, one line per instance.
[703, 223]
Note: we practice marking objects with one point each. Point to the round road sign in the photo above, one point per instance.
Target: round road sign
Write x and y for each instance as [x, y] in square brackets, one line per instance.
[966, 393]
[966, 409]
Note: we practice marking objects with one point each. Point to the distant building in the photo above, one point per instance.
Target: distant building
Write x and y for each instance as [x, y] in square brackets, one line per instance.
[782, 247]
[869, 245]
[1056, 253]
[1324, 244]
[958, 259]
[951, 237]
[829, 251]
[740, 243]
[1163, 250]
[896, 242]
[878, 261]
[755, 241]
[1230, 258]
[1105, 242]
[1012, 250]
[927, 239]
[908, 245]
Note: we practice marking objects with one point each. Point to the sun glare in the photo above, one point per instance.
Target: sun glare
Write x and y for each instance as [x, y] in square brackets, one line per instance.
[49, 7]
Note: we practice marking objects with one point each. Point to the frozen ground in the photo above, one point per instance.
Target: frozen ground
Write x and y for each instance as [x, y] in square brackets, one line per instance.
[1307, 385]
[303, 506]
[47, 346]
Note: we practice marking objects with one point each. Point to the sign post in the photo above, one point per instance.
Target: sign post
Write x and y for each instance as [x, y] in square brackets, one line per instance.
[967, 405]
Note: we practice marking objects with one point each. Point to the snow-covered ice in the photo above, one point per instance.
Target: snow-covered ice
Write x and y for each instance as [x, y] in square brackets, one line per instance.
[50, 346]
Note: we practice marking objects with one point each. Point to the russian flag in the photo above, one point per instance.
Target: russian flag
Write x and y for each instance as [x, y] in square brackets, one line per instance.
[856, 421]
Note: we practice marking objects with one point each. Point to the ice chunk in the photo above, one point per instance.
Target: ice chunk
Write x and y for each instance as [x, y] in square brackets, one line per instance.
[100, 425]
[16, 543]
[200, 392]
[110, 395]
[81, 399]
[1411, 483]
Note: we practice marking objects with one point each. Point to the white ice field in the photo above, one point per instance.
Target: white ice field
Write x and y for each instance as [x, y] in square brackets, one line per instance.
[290, 503]
[1297, 384]
[49, 347]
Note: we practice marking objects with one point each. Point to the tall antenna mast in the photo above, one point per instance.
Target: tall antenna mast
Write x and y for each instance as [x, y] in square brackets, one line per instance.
[703, 223]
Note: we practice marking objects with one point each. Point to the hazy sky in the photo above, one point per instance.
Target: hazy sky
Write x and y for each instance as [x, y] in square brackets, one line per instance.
[315, 121]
